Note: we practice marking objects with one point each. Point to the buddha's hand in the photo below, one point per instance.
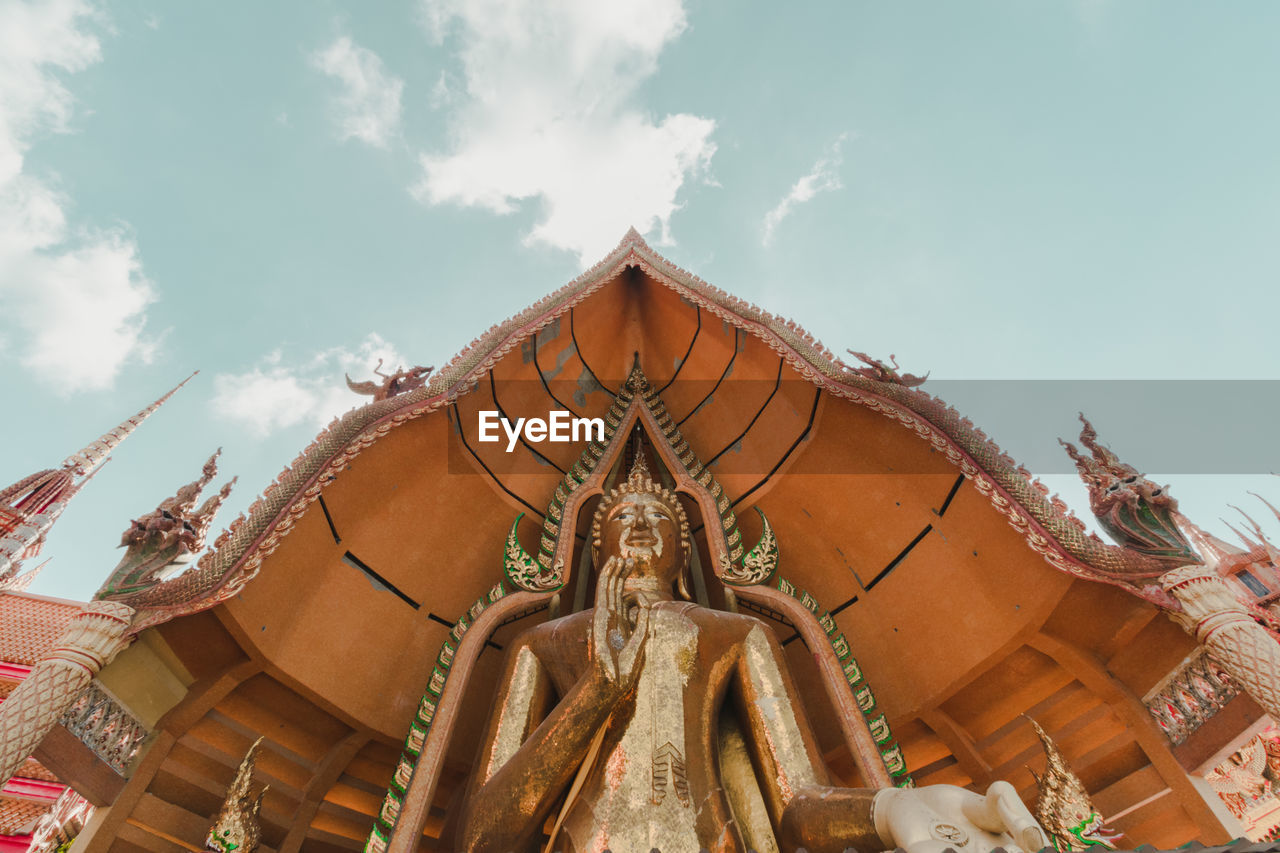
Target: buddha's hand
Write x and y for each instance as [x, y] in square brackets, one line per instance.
[619, 627]
[937, 817]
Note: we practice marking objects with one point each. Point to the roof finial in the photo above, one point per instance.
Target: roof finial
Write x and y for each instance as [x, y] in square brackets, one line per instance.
[399, 382]
[166, 535]
[22, 581]
[632, 239]
[639, 475]
[29, 507]
[92, 456]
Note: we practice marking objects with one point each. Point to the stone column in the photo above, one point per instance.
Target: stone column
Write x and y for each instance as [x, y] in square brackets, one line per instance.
[92, 639]
[1211, 611]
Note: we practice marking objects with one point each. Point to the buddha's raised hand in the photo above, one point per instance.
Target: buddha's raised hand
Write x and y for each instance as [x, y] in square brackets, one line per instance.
[619, 626]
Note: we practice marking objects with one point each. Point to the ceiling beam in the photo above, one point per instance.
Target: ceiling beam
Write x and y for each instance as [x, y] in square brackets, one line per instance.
[326, 774]
[1089, 671]
[955, 738]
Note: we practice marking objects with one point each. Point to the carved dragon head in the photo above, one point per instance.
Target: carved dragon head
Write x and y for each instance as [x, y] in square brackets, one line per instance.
[1063, 806]
[236, 828]
[1139, 514]
[162, 537]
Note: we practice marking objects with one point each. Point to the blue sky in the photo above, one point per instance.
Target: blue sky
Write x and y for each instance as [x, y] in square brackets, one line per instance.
[277, 193]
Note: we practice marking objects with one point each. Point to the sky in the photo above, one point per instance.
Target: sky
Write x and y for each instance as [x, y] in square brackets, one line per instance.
[275, 194]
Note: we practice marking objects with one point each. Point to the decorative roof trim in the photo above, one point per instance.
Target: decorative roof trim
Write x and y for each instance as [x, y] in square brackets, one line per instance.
[1049, 527]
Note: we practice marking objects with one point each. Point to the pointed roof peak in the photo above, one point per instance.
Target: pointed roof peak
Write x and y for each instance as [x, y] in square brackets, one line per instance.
[22, 581]
[633, 239]
[89, 458]
[36, 501]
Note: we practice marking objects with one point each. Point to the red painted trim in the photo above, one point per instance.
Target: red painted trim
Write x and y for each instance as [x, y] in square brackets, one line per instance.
[14, 843]
[32, 789]
[14, 672]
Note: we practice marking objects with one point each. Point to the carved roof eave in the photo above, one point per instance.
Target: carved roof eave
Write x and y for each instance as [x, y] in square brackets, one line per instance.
[1048, 526]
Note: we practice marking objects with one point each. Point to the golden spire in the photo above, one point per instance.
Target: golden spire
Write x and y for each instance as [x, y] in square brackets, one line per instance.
[1063, 806]
[639, 477]
[236, 827]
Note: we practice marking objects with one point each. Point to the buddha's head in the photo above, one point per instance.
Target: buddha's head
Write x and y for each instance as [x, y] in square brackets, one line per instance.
[643, 521]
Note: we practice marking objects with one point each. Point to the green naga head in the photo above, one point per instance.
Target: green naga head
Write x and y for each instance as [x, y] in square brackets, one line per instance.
[236, 828]
[1089, 832]
[1063, 807]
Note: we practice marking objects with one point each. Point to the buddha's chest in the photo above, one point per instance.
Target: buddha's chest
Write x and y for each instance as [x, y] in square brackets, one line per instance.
[653, 782]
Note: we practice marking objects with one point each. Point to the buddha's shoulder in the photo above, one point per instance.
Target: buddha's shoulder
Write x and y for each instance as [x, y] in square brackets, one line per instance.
[736, 623]
[572, 627]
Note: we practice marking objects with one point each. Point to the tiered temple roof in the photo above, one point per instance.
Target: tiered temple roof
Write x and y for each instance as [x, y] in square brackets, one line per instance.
[965, 592]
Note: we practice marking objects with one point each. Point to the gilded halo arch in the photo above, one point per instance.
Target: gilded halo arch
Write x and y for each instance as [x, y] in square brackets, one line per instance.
[532, 583]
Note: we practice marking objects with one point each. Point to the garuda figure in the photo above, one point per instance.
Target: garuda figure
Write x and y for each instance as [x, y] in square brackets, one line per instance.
[635, 725]
[392, 384]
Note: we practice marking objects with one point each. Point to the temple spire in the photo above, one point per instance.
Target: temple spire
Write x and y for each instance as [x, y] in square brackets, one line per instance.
[92, 456]
[29, 507]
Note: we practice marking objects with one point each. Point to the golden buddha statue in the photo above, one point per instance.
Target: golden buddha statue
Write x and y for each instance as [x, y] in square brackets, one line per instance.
[635, 725]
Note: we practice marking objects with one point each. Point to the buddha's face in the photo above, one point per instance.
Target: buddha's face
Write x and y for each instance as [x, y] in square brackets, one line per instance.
[644, 528]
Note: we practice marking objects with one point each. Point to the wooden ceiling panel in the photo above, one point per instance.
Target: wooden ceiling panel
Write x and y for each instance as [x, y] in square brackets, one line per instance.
[710, 368]
[316, 845]
[211, 751]
[1164, 824]
[944, 771]
[1157, 649]
[266, 706]
[1017, 682]
[187, 790]
[340, 822]
[1091, 736]
[202, 644]
[920, 744]
[375, 666]
[374, 764]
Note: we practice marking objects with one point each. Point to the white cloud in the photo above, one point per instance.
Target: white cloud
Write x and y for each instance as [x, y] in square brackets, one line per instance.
[368, 106]
[546, 113]
[442, 92]
[75, 297]
[274, 395]
[823, 177]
